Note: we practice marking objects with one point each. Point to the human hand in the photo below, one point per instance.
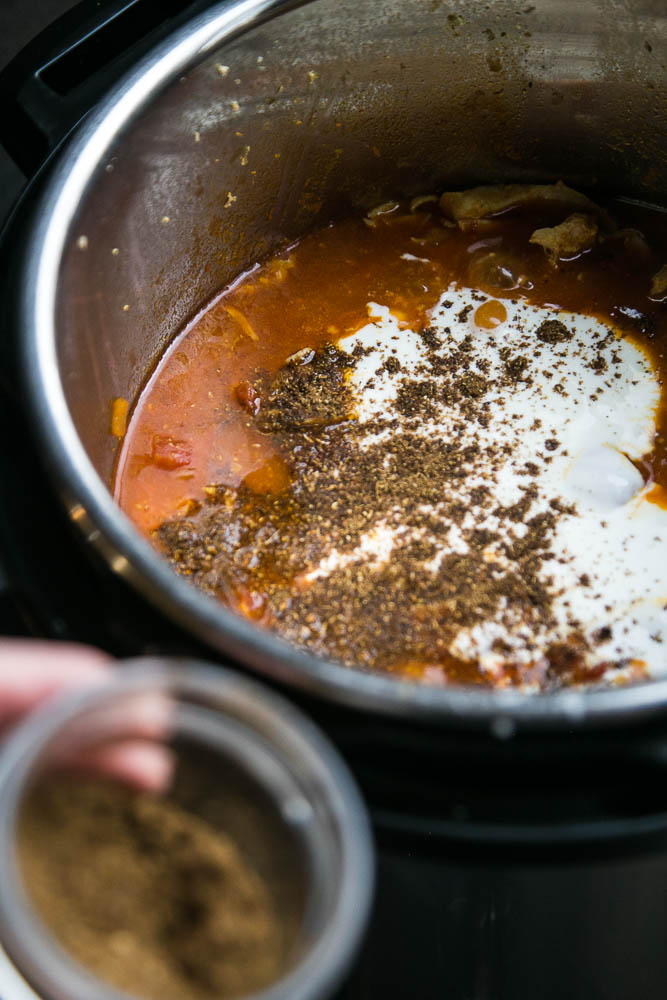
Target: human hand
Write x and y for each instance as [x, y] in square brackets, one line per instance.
[34, 671]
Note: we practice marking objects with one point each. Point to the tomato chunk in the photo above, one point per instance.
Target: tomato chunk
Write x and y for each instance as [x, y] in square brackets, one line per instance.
[248, 397]
[169, 453]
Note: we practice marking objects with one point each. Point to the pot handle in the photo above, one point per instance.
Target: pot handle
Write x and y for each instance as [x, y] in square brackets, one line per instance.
[59, 76]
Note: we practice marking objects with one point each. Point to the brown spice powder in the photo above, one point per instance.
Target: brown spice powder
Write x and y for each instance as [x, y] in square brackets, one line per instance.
[150, 898]
[260, 552]
[361, 614]
[304, 395]
[553, 331]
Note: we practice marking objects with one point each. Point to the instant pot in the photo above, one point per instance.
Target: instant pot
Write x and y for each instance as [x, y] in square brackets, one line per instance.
[523, 840]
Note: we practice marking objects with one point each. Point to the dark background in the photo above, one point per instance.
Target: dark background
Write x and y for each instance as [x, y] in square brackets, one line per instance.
[446, 925]
[21, 20]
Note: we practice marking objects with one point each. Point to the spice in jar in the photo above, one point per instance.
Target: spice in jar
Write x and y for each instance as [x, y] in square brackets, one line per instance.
[150, 898]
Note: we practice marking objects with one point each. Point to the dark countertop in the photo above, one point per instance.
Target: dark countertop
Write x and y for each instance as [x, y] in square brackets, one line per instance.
[19, 22]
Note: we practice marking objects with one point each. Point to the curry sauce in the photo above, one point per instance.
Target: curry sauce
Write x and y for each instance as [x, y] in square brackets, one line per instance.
[201, 438]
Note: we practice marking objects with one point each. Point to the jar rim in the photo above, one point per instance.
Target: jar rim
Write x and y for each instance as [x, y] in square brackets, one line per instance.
[36, 954]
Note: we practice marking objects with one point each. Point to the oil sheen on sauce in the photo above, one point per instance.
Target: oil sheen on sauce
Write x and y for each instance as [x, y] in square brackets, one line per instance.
[554, 414]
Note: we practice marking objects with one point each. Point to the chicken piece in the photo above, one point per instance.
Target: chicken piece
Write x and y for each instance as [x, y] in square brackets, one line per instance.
[628, 247]
[483, 226]
[479, 202]
[577, 233]
[496, 270]
[659, 283]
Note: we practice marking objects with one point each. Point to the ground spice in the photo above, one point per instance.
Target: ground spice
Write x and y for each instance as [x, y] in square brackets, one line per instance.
[259, 552]
[307, 395]
[553, 331]
[150, 898]
[255, 548]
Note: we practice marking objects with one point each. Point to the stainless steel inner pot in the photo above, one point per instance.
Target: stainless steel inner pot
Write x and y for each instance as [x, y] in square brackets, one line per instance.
[252, 125]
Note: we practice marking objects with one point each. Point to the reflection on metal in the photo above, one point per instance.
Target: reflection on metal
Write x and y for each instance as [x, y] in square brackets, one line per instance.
[12, 985]
[77, 513]
[119, 564]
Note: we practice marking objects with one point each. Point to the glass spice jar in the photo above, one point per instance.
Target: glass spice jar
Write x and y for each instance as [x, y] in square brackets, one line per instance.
[222, 751]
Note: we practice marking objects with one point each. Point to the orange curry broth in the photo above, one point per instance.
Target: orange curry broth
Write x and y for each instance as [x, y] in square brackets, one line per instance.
[189, 429]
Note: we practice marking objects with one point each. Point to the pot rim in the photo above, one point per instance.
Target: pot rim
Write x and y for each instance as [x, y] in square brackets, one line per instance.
[91, 506]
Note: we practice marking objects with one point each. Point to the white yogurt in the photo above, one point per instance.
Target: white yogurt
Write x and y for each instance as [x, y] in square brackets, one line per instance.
[580, 425]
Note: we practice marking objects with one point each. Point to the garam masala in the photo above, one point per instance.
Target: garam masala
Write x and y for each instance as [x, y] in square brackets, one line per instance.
[150, 898]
